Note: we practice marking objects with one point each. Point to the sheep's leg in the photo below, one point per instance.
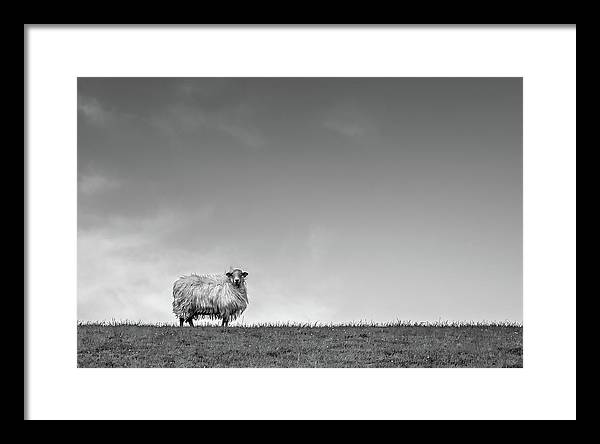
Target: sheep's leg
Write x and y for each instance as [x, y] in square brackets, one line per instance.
[191, 322]
[181, 322]
[225, 322]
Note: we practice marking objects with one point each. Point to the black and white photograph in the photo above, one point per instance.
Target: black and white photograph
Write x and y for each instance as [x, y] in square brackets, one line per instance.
[300, 222]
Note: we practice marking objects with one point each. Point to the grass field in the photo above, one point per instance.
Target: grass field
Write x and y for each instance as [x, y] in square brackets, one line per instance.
[393, 345]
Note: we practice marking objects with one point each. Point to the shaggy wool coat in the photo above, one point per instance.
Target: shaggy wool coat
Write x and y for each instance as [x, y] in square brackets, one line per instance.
[211, 296]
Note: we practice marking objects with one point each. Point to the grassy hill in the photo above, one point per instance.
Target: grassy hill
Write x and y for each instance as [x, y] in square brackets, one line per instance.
[393, 345]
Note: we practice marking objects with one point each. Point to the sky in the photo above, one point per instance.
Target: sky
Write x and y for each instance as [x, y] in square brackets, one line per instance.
[345, 199]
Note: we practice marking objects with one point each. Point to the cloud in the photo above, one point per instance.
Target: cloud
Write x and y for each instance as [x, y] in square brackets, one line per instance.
[247, 135]
[95, 183]
[126, 268]
[210, 87]
[348, 121]
[97, 114]
[233, 121]
[92, 111]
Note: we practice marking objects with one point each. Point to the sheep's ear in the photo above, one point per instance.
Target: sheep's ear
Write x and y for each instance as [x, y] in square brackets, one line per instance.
[245, 273]
[229, 274]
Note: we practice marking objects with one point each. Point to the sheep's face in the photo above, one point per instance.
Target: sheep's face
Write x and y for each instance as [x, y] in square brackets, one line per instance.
[237, 277]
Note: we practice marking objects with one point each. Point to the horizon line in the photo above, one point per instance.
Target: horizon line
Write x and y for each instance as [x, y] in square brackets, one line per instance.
[316, 324]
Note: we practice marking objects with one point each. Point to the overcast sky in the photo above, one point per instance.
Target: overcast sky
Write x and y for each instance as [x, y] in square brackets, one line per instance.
[345, 199]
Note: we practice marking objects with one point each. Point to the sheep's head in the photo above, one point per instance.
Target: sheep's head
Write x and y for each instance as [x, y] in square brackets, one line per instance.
[237, 277]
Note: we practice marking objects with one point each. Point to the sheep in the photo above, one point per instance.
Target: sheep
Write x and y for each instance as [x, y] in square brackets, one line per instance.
[216, 296]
